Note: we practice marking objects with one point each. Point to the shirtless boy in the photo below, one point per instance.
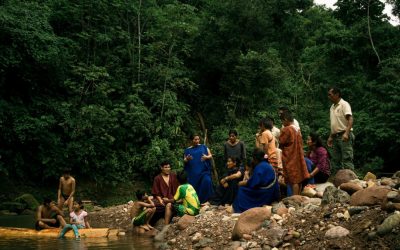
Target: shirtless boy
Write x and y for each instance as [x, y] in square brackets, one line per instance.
[142, 210]
[49, 216]
[66, 190]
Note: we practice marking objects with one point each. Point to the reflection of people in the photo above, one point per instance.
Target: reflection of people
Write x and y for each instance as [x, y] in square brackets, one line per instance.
[198, 168]
[66, 190]
[319, 156]
[341, 137]
[234, 147]
[261, 188]
[142, 211]
[226, 192]
[164, 188]
[78, 220]
[294, 166]
[187, 196]
[49, 216]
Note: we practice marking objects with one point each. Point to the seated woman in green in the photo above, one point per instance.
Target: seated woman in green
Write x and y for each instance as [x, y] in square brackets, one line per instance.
[186, 195]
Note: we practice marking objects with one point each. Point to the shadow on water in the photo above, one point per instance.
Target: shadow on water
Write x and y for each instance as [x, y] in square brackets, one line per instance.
[129, 241]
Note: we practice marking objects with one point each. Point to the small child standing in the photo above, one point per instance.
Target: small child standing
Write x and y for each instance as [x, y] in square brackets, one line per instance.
[78, 219]
[142, 210]
[188, 196]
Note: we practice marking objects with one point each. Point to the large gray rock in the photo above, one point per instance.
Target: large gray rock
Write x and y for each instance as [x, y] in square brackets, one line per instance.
[343, 176]
[334, 195]
[250, 221]
[388, 224]
[370, 196]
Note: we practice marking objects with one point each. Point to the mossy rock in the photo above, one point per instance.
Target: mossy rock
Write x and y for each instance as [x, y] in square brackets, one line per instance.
[13, 206]
[30, 201]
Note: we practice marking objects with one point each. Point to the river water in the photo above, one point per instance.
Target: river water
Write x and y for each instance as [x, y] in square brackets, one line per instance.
[129, 241]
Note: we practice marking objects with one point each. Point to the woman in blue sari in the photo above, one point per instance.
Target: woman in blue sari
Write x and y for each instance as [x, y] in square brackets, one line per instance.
[261, 188]
[198, 168]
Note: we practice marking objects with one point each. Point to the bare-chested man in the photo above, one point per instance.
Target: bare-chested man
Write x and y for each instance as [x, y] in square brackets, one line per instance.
[66, 190]
[49, 216]
[142, 211]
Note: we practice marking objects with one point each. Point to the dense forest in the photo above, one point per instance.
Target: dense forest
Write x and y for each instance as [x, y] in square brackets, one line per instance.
[110, 88]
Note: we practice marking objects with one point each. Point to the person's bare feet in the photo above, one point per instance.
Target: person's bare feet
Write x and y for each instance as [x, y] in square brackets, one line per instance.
[145, 227]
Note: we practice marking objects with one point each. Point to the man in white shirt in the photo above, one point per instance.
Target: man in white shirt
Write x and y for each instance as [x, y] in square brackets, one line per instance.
[341, 138]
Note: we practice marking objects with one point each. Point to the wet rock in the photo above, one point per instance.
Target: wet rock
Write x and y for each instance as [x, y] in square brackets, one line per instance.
[250, 220]
[350, 187]
[337, 232]
[389, 223]
[343, 176]
[334, 195]
[161, 234]
[369, 196]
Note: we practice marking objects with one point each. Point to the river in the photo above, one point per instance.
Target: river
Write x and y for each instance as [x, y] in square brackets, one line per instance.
[129, 241]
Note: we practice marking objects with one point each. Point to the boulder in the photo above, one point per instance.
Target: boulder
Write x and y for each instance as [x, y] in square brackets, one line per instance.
[350, 187]
[185, 221]
[389, 223]
[320, 187]
[295, 200]
[396, 175]
[309, 192]
[369, 196]
[343, 176]
[30, 201]
[336, 232]
[388, 182]
[334, 195]
[369, 176]
[12, 206]
[250, 221]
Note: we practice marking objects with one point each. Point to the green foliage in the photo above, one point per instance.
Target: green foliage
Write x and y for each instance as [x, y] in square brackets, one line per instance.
[111, 88]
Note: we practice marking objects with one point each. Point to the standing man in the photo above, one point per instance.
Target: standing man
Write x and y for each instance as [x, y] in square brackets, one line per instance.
[341, 137]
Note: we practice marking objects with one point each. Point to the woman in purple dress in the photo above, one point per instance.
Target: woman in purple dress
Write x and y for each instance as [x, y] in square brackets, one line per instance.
[319, 156]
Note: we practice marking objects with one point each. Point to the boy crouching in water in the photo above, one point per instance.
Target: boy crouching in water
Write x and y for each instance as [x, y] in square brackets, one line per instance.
[142, 211]
[186, 195]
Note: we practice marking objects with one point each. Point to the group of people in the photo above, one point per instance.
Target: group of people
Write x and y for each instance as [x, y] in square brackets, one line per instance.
[278, 160]
[51, 215]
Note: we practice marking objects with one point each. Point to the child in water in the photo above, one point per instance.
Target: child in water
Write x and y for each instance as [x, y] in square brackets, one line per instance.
[142, 210]
[78, 219]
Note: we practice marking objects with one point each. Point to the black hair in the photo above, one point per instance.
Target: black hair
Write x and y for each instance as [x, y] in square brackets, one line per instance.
[235, 160]
[139, 194]
[258, 155]
[269, 124]
[284, 109]
[67, 171]
[194, 135]
[336, 91]
[80, 203]
[316, 138]
[46, 200]
[163, 163]
[287, 116]
[182, 178]
[233, 131]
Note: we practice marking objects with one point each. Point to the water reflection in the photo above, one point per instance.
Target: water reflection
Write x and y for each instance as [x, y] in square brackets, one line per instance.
[129, 241]
[123, 242]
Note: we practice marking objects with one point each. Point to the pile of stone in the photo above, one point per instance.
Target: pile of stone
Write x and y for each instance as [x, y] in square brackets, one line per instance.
[348, 213]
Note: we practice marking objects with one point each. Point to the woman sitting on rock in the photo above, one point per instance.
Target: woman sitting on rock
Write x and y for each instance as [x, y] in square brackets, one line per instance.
[228, 188]
[261, 188]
